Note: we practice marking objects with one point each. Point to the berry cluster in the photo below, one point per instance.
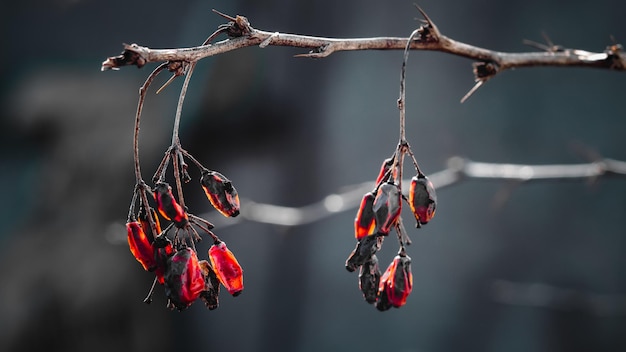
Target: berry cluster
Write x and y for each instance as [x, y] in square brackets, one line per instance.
[170, 253]
[378, 214]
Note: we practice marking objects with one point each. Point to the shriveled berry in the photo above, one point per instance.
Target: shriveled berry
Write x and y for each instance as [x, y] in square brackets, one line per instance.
[167, 205]
[365, 248]
[396, 283]
[163, 250]
[422, 199]
[365, 223]
[211, 286]
[387, 207]
[140, 246]
[226, 268]
[220, 192]
[384, 173]
[145, 223]
[369, 279]
[183, 279]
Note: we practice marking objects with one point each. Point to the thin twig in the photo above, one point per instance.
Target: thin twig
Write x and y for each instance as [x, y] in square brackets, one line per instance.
[402, 98]
[613, 57]
[142, 97]
[179, 107]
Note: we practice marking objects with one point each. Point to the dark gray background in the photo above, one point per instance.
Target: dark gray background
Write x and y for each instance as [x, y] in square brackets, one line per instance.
[543, 271]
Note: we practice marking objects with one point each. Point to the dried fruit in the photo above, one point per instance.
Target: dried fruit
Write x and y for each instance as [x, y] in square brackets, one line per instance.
[183, 279]
[211, 286]
[220, 192]
[140, 245]
[395, 284]
[163, 250]
[167, 205]
[365, 223]
[145, 223]
[422, 199]
[387, 207]
[226, 268]
[384, 173]
[365, 248]
[369, 279]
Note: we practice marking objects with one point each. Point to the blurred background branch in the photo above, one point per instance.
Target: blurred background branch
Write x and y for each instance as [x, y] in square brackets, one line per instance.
[459, 170]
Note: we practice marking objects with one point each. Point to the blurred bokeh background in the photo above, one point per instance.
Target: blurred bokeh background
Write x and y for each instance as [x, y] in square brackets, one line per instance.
[544, 270]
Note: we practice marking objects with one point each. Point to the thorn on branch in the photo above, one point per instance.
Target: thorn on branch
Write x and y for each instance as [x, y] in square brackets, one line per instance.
[237, 27]
[483, 71]
[549, 46]
[178, 68]
[428, 33]
[128, 57]
[615, 54]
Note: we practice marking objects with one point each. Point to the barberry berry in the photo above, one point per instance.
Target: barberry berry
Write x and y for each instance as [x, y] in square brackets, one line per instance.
[140, 245]
[365, 223]
[226, 268]
[422, 199]
[220, 192]
[167, 205]
[183, 279]
[387, 207]
[395, 284]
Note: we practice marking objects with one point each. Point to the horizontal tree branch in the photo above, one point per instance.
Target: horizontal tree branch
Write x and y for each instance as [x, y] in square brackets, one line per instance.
[490, 62]
[458, 170]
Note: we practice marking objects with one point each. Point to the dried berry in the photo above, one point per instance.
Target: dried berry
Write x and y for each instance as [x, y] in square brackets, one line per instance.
[220, 192]
[369, 279]
[384, 173]
[163, 250]
[395, 284]
[183, 279]
[365, 223]
[365, 248]
[422, 199]
[145, 223]
[211, 286]
[167, 205]
[226, 268]
[387, 207]
[140, 245]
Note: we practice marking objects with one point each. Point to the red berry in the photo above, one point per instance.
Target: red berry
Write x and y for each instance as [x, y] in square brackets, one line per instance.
[226, 268]
[364, 223]
[167, 205]
[220, 192]
[183, 279]
[422, 199]
[396, 284]
[140, 245]
[384, 173]
[387, 207]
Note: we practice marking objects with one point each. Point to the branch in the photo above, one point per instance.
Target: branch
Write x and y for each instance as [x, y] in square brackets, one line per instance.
[489, 63]
[459, 169]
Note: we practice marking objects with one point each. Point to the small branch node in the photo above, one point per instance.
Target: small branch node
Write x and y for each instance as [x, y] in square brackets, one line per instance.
[485, 70]
[616, 56]
[128, 57]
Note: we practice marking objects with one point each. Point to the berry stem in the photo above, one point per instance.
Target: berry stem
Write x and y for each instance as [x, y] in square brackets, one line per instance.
[142, 97]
